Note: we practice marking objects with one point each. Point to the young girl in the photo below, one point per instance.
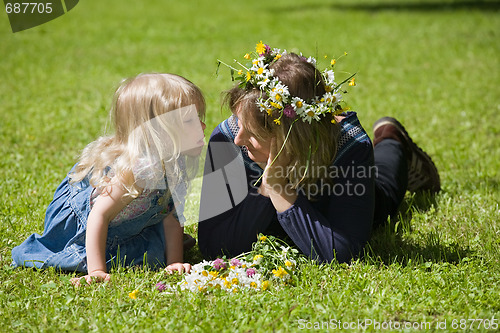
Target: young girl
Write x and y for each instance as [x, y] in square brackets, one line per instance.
[312, 172]
[122, 202]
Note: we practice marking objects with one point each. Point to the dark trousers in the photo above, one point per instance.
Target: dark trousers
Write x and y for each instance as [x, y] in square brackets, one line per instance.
[391, 180]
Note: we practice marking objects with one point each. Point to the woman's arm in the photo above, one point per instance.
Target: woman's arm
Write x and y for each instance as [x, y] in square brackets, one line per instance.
[235, 226]
[338, 224]
[274, 185]
[174, 245]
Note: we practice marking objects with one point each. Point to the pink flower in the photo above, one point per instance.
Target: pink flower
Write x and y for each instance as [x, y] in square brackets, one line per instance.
[235, 262]
[251, 272]
[219, 264]
[268, 49]
[161, 286]
[289, 111]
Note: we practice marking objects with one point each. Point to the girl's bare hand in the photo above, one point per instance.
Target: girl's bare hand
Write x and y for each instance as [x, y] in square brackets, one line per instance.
[179, 267]
[94, 277]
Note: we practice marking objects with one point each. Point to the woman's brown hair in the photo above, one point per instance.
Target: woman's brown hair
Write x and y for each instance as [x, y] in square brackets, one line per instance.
[311, 147]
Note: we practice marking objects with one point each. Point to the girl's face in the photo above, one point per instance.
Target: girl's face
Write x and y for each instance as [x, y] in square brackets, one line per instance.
[193, 132]
[258, 150]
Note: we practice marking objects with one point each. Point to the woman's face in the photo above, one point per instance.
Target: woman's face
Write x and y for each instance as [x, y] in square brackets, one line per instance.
[258, 150]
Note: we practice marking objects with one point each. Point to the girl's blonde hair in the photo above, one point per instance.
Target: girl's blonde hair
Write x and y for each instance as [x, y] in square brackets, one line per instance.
[141, 134]
[311, 147]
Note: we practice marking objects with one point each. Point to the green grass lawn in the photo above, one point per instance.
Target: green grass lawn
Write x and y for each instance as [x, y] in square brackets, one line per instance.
[434, 65]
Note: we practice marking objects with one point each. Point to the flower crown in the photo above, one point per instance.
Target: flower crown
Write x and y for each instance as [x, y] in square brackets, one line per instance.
[276, 98]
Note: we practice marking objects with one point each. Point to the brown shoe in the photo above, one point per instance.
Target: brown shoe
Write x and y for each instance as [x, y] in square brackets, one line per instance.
[422, 173]
[188, 242]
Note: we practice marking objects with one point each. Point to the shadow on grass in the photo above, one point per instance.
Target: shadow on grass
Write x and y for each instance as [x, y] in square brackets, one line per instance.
[193, 255]
[387, 244]
[422, 6]
[417, 6]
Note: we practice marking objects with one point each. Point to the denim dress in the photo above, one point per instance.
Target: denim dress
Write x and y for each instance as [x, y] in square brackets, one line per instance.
[136, 240]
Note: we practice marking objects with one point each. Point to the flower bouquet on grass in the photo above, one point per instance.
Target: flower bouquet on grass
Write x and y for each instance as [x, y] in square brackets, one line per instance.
[270, 264]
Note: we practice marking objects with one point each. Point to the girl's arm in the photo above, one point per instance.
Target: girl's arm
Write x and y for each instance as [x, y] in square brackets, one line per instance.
[107, 205]
[174, 245]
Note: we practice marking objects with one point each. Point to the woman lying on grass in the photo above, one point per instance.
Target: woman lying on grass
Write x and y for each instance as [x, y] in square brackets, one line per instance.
[313, 174]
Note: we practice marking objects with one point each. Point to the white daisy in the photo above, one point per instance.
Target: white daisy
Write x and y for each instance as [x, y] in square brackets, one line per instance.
[311, 113]
[329, 77]
[298, 105]
[311, 60]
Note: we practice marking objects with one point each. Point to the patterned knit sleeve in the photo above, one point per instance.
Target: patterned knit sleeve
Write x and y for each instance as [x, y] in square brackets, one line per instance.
[338, 223]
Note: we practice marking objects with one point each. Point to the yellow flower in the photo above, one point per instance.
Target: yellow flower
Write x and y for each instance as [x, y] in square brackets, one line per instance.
[260, 48]
[227, 284]
[214, 274]
[234, 281]
[288, 263]
[253, 284]
[280, 272]
[331, 99]
[277, 56]
[265, 285]
[258, 257]
[247, 56]
[240, 72]
[263, 238]
[278, 97]
[269, 112]
[298, 104]
[352, 83]
[333, 62]
[276, 105]
[277, 121]
[260, 70]
[249, 76]
[133, 294]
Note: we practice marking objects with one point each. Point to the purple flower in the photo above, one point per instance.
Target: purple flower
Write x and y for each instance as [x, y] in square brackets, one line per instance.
[219, 264]
[251, 272]
[268, 49]
[235, 262]
[289, 111]
[161, 286]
